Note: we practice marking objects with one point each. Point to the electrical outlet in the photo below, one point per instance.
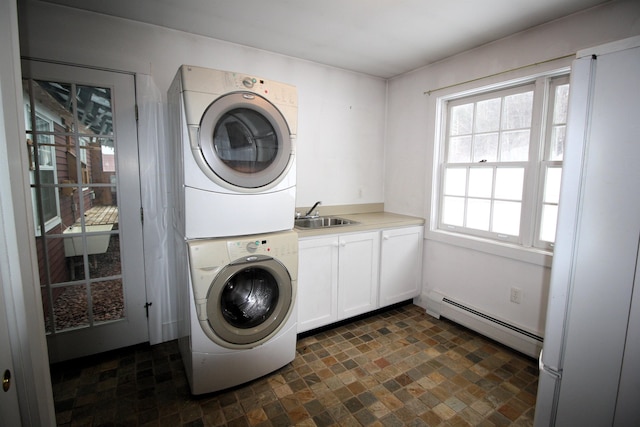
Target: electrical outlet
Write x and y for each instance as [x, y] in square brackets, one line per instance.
[516, 295]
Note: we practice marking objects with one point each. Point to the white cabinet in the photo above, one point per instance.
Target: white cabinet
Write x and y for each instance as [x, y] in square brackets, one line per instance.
[337, 278]
[400, 264]
[317, 282]
[358, 261]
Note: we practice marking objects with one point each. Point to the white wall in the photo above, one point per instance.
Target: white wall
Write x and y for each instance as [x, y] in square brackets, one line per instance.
[341, 113]
[474, 276]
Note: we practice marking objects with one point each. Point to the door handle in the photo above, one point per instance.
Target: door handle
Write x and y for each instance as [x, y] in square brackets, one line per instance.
[6, 380]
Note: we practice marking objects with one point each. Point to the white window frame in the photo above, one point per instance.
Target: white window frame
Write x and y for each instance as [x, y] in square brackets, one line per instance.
[527, 246]
[546, 163]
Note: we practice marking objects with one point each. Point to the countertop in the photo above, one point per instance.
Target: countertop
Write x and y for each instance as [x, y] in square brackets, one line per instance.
[366, 221]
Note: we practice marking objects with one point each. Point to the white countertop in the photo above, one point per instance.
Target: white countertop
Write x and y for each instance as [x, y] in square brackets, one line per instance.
[366, 221]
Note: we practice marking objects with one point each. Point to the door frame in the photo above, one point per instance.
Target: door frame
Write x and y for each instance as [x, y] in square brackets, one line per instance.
[22, 298]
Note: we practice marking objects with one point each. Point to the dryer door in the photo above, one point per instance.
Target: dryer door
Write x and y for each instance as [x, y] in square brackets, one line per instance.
[249, 301]
[245, 142]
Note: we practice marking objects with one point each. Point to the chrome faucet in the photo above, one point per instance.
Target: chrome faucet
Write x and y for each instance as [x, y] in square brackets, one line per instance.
[308, 214]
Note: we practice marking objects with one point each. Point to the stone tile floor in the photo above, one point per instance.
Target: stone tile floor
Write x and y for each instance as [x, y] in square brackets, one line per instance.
[400, 367]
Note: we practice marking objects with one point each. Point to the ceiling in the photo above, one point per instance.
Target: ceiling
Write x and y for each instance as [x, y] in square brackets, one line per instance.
[382, 38]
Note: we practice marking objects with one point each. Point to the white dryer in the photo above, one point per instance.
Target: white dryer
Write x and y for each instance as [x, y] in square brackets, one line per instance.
[236, 173]
[238, 318]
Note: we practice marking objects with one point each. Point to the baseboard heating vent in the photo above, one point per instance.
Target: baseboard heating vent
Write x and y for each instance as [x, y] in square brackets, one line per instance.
[500, 330]
[494, 320]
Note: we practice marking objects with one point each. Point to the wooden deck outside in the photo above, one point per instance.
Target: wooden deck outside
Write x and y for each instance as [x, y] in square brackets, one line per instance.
[101, 215]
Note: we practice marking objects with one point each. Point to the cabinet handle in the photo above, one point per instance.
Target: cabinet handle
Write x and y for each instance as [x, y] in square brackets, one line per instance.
[343, 243]
[385, 237]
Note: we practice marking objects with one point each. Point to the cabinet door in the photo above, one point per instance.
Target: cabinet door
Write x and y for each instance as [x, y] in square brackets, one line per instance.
[317, 282]
[400, 264]
[358, 273]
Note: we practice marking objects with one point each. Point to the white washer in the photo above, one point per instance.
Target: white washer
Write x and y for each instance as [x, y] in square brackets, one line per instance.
[236, 157]
[238, 320]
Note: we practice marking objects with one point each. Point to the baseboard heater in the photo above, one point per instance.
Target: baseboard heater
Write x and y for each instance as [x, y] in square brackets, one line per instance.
[502, 331]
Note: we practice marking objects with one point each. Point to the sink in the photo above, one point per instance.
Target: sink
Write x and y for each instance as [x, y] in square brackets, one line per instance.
[323, 222]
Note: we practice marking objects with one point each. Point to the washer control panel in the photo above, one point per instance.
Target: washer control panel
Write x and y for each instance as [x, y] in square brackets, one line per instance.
[268, 245]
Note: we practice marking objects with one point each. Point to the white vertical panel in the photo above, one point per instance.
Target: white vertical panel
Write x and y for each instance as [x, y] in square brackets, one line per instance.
[627, 408]
[606, 246]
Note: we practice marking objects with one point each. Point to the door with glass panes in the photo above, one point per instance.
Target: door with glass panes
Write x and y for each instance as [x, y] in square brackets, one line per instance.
[85, 188]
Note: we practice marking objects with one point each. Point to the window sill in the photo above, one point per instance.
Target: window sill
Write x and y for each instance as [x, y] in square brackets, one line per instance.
[506, 250]
[48, 226]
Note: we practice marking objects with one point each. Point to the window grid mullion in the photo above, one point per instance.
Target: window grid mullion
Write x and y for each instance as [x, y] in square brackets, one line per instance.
[500, 130]
[494, 175]
[466, 196]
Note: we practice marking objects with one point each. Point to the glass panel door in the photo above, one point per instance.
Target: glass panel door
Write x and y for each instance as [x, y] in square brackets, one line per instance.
[86, 201]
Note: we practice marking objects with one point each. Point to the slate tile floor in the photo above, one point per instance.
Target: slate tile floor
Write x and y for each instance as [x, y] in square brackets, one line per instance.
[398, 367]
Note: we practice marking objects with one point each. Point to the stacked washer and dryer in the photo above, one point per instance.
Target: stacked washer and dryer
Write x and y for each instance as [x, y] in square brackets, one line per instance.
[234, 189]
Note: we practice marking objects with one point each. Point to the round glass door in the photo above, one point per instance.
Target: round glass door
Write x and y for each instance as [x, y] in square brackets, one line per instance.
[249, 298]
[249, 301]
[245, 141]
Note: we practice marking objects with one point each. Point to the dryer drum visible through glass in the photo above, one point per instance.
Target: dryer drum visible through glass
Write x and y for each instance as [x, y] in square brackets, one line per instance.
[245, 141]
[249, 300]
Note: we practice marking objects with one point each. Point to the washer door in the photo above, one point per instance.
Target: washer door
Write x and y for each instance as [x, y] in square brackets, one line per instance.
[249, 301]
[245, 142]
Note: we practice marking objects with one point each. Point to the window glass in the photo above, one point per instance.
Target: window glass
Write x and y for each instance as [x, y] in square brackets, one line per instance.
[460, 149]
[71, 148]
[509, 182]
[515, 146]
[552, 185]
[479, 214]
[506, 218]
[548, 223]
[93, 108]
[461, 120]
[480, 182]
[561, 104]
[488, 115]
[485, 147]
[42, 153]
[47, 199]
[517, 110]
[559, 126]
[453, 211]
[455, 182]
[558, 136]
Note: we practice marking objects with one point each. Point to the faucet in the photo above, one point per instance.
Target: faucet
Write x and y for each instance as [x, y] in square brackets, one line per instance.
[308, 214]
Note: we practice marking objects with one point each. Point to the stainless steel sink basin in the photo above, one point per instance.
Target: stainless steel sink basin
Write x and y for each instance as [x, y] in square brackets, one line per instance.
[322, 222]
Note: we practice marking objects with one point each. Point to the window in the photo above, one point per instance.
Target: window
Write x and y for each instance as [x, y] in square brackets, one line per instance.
[502, 161]
[552, 162]
[49, 201]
